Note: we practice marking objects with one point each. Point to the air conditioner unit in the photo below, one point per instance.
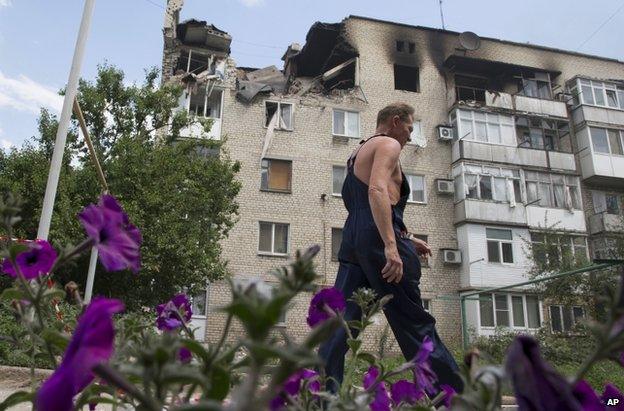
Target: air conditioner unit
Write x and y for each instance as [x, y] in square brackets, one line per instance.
[445, 186]
[451, 256]
[445, 133]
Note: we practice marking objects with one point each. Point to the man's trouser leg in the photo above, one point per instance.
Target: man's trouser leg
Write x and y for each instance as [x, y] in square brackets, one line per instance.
[349, 278]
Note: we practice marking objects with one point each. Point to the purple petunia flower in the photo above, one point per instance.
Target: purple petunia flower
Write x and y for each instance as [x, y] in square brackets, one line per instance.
[184, 355]
[586, 397]
[91, 344]
[116, 240]
[609, 397]
[449, 393]
[32, 263]
[292, 386]
[328, 298]
[536, 384]
[174, 313]
[381, 402]
[405, 391]
[424, 377]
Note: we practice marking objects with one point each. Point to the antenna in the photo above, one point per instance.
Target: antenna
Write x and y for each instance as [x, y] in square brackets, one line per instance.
[469, 40]
[442, 16]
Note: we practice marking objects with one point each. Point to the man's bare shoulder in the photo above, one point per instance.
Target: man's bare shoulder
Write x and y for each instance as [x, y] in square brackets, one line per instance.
[386, 145]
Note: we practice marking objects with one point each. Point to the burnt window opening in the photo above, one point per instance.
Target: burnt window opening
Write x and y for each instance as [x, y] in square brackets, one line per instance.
[469, 88]
[543, 134]
[406, 78]
[192, 61]
[534, 84]
[412, 47]
[400, 46]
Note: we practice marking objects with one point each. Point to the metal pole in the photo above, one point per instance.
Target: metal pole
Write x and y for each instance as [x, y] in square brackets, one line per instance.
[61, 134]
[464, 323]
[91, 275]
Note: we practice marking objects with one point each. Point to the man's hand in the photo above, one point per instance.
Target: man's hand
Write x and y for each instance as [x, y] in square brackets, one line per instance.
[422, 248]
[393, 270]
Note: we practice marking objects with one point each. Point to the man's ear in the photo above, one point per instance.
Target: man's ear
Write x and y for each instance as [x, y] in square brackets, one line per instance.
[396, 120]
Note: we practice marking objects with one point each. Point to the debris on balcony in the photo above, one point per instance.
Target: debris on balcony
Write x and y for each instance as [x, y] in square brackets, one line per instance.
[265, 80]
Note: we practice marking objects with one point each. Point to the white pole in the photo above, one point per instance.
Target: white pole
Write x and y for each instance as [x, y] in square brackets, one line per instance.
[91, 275]
[61, 134]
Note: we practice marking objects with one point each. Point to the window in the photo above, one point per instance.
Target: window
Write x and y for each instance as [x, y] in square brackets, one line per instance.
[488, 183]
[198, 303]
[606, 202]
[608, 248]
[203, 105]
[485, 127]
[563, 318]
[469, 88]
[417, 186]
[276, 175]
[598, 93]
[406, 78]
[509, 310]
[426, 304]
[552, 190]
[538, 133]
[417, 138]
[499, 245]
[284, 120]
[607, 141]
[339, 173]
[193, 61]
[613, 203]
[400, 46]
[534, 84]
[273, 238]
[550, 249]
[336, 240]
[346, 123]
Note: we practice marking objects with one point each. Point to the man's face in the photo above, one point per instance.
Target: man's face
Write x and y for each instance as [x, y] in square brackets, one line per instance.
[401, 130]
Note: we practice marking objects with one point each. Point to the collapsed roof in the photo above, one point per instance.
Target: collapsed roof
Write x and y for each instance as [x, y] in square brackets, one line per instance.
[199, 33]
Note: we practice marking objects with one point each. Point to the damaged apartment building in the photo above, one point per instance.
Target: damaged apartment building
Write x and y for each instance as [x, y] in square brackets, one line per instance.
[509, 140]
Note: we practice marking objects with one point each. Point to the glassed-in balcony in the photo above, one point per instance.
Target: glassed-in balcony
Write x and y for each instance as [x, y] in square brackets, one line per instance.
[601, 155]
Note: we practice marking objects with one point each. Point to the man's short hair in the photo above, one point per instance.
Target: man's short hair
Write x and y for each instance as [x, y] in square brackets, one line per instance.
[403, 110]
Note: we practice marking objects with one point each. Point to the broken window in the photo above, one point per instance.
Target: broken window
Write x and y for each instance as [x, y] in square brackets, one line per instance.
[205, 103]
[542, 134]
[192, 61]
[400, 46]
[346, 123]
[412, 47]
[276, 175]
[534, 84]
[284, 120]
[406, 78]
[469, 88]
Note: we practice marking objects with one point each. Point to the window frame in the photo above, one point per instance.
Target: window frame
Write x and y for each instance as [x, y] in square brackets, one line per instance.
[419, 137]
[501, 173]
[574, 189]
[510, 311]
[404, 67]
[268, 170]
[597, 86]
[278, 126]
[424, 190]
[561, 308]
[272, 252]
[560, 245]
[608, 140]
[345, 123]
[500, 247]
[503, 121]
[344, 174]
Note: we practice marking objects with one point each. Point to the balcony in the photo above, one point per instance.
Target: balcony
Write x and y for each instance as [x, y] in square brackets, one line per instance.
[470, 210]
[606, 223]
[196, 130]
[598, 167]
[556, 218]
[602, 115]
[476, 150]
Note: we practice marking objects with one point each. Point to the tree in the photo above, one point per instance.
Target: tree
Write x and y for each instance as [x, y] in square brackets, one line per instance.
[552, 252]
[182, 199]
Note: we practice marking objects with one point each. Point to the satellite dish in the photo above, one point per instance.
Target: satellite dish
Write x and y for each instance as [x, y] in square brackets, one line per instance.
[469, 40]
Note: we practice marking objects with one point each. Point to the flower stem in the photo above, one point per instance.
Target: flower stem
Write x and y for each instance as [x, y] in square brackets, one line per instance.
[226, 331]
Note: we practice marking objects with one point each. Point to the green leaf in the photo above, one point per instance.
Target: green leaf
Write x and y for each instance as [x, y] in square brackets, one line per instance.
[219, 384]
[368, 357]
[17, 248]
[197, 349]
[12, 294]
[354, 344]
[55, 338]
[53, 293]
[16, 398]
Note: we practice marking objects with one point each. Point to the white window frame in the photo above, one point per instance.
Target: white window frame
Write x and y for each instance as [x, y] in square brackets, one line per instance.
[410, 199]
[343, 178]
[493, 172]
[416, 137]
[203, 115]
[272, 252]
[206, 293]
[469, 115]
[268, 172]
[560, 239]
[567, 186]
[500, 246]
[601, 87]
[606, 129]
[278, 125]
[345, 123]
[525, 312]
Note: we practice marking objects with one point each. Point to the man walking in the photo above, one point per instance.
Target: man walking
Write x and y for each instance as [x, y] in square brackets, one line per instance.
[377, 252]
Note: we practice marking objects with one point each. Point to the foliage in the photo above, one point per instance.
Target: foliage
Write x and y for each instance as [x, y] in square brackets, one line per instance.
[180, 194]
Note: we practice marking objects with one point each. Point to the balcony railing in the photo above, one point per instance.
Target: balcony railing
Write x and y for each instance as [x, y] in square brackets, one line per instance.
[606, 223]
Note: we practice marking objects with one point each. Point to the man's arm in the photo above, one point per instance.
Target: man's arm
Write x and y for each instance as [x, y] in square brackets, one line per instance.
[385, 158]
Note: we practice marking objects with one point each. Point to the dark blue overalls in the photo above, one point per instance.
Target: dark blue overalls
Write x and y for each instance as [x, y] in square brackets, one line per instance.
[361, 259]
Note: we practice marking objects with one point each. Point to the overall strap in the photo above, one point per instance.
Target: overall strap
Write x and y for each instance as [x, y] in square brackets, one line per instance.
[351, 160]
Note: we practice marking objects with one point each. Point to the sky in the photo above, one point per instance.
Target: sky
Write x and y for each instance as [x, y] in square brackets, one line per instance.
[37, 37]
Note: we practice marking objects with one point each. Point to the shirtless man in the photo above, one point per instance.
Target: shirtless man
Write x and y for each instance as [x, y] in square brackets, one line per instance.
[378, 252]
